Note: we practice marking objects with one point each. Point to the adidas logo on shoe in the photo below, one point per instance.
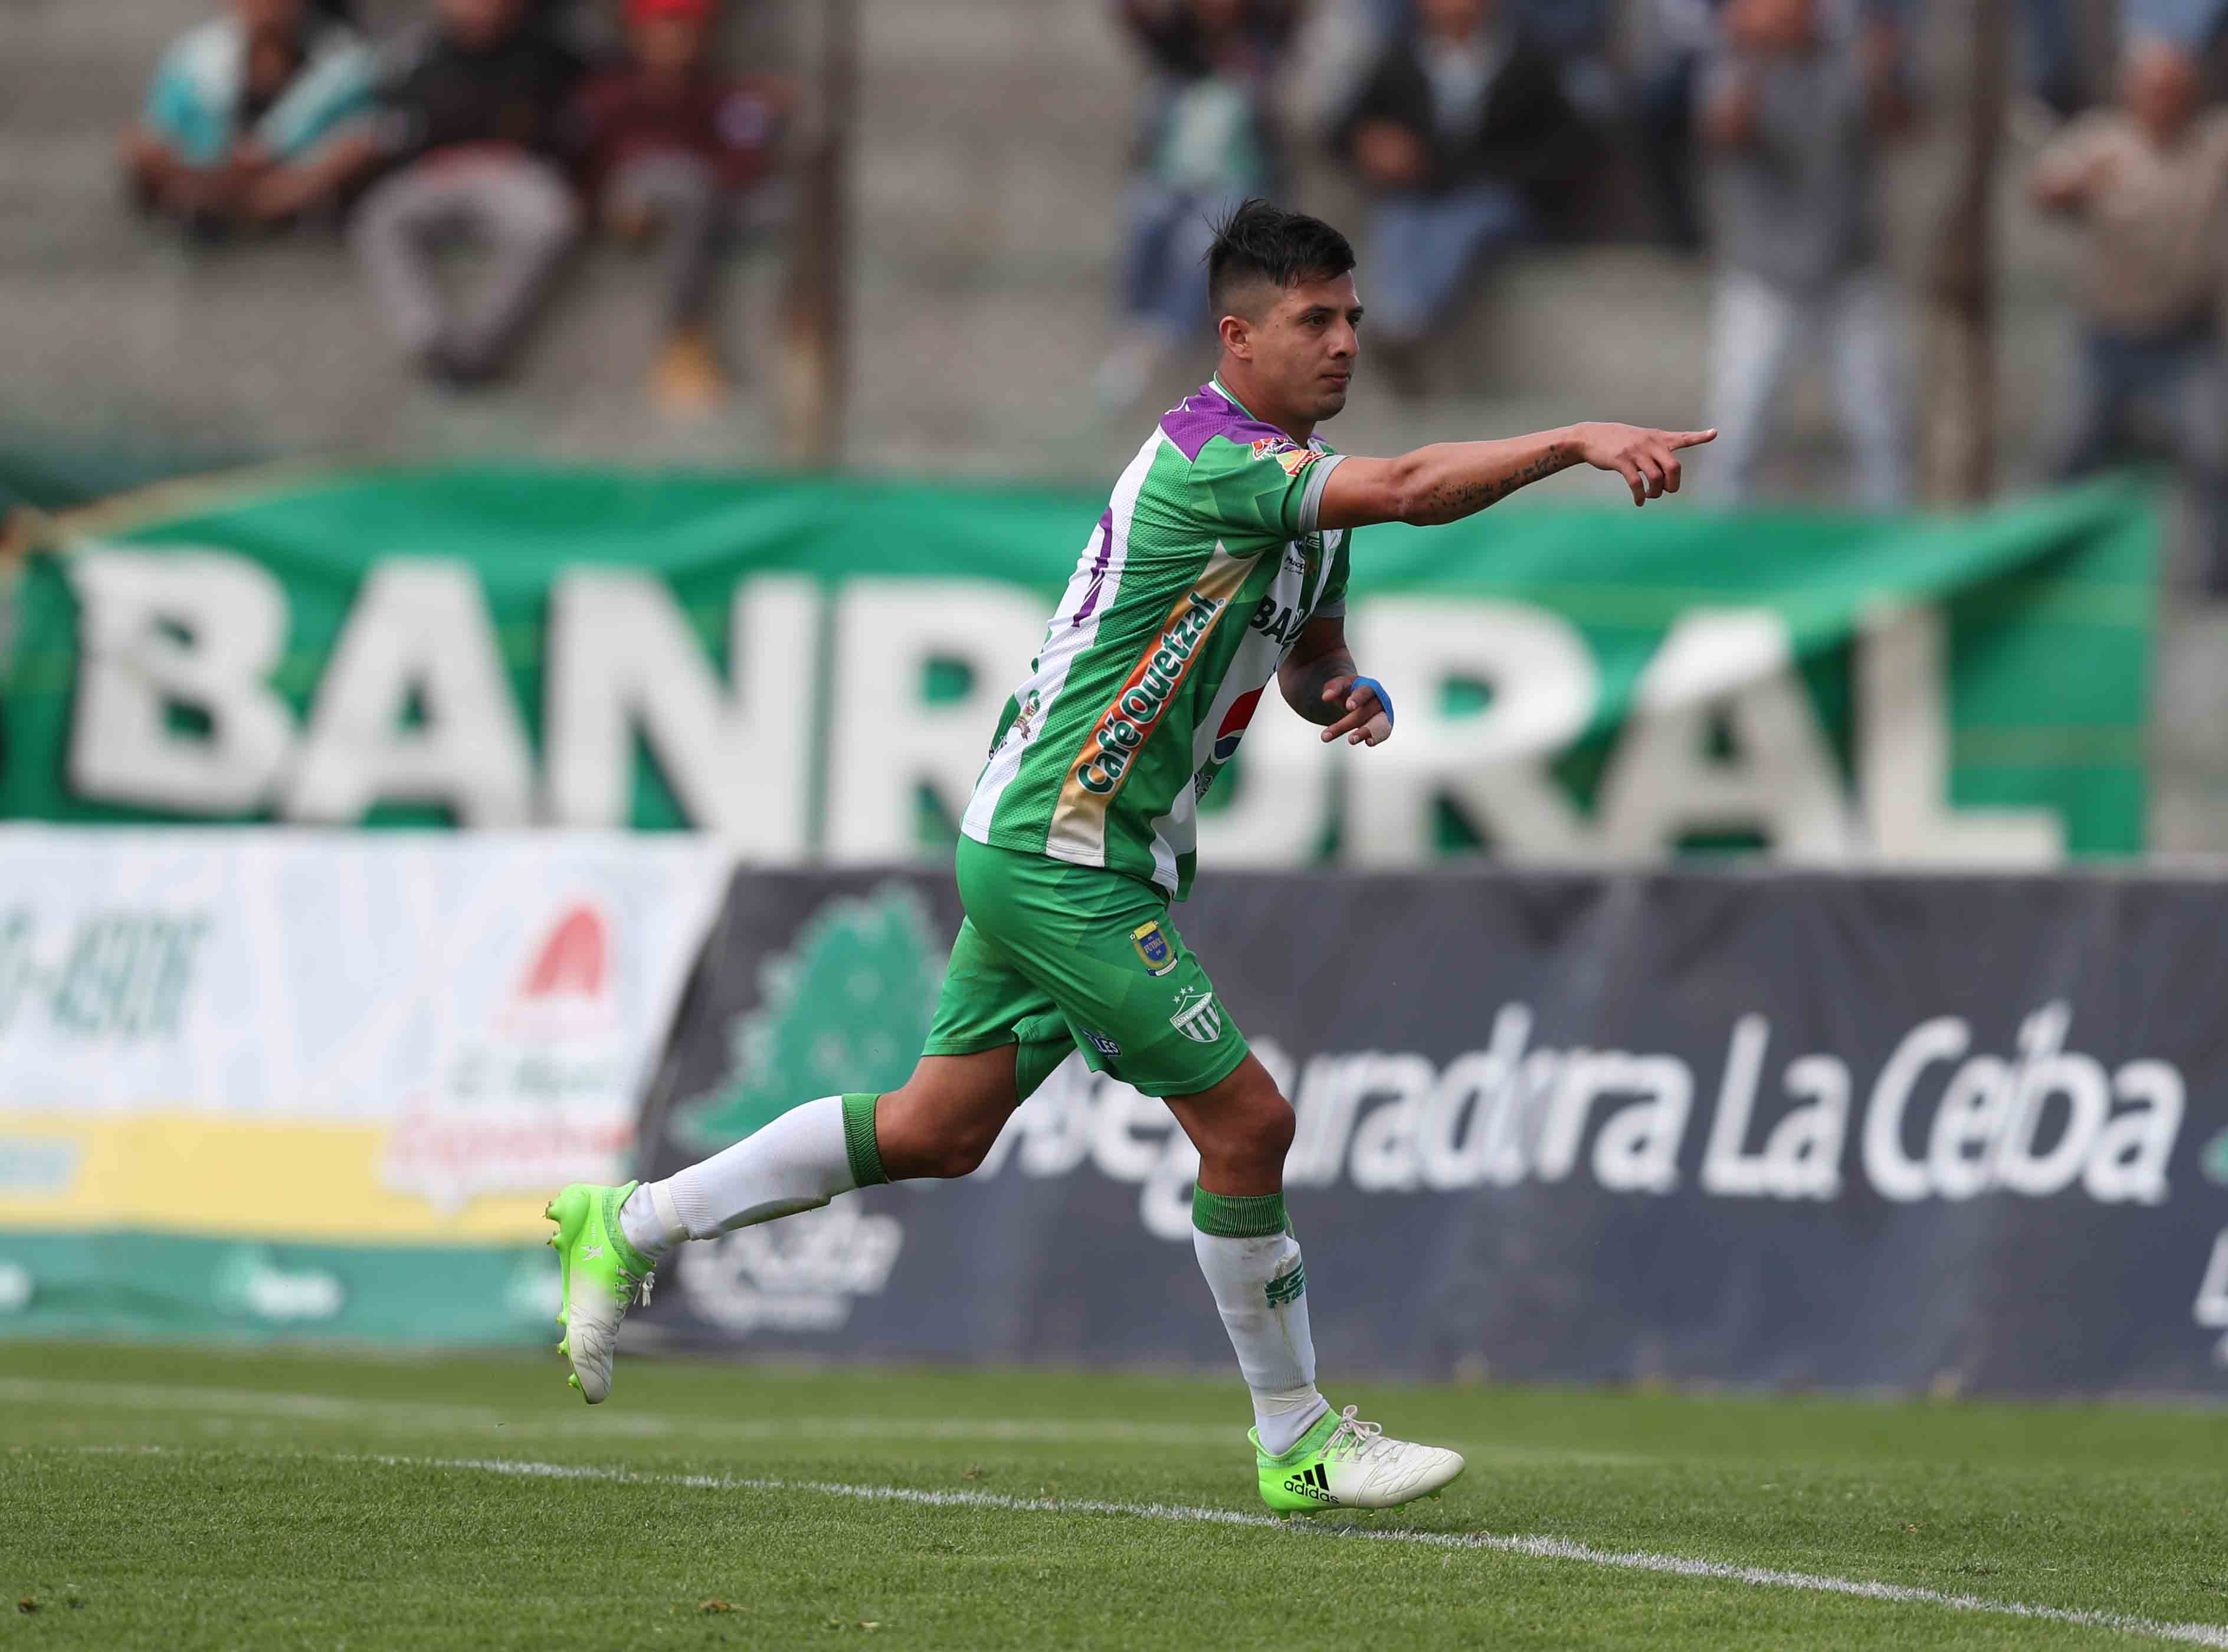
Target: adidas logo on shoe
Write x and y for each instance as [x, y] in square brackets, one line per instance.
[1312, 1482]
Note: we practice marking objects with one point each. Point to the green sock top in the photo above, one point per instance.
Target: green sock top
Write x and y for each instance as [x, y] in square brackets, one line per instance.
[859, 1144]
[1224, 1215]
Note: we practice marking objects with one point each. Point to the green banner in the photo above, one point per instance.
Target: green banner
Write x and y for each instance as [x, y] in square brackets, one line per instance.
[187, 1287]
[813, 667]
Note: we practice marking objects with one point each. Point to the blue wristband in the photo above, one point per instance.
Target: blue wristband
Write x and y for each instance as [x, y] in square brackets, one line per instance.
[1383, 698]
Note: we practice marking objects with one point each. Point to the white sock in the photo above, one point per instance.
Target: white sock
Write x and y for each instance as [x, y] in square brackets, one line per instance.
[1260, 1287]
[799, 1162]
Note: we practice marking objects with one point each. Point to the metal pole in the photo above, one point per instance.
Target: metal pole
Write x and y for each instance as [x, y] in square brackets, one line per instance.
[1960, 423]
[816, 312]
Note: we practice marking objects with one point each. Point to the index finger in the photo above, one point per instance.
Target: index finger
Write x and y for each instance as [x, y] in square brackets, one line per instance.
[1689, 438]
[1351, 721]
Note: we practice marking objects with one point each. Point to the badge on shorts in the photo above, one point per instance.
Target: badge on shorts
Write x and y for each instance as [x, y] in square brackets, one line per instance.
[1153, 946]
[1105, 1045]
[1196, 1017]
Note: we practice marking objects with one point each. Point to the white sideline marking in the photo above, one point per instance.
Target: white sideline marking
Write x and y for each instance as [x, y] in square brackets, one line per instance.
[1538, 1548]
[405, 1415]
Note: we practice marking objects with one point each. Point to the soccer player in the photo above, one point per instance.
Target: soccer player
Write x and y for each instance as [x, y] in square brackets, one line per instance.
[1221, 559]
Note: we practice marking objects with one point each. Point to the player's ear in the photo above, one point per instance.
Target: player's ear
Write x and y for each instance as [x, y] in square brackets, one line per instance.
[1237, 337]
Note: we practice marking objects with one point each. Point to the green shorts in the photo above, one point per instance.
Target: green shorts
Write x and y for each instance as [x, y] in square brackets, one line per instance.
[1055, 958]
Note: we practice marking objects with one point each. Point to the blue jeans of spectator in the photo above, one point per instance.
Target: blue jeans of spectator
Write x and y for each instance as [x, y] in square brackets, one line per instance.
[2179, 378]
[1164, 264]
[1422, 246]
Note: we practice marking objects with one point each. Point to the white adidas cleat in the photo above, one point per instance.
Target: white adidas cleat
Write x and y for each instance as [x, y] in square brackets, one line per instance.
[1343, 1462]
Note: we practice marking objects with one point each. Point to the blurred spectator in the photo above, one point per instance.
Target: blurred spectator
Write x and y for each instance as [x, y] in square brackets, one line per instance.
[1207, 141]
[2146, 182]
[248, 118]
[1792, 115]
[1565, 28]
[2191, 24]
[1458, 131]
[2053, 54]
[1683, 40]
[475, 131]
[1577, 34]
[678, 152]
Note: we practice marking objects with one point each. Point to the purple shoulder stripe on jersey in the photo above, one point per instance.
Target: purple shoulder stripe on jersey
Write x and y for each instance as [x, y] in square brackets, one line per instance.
[1207, 413]
[1090, 604]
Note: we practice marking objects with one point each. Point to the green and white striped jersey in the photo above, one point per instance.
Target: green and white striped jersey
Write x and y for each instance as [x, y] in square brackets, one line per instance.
[1193, 588]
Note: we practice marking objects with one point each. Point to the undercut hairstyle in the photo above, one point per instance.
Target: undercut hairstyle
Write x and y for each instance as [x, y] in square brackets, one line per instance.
[1262, 244]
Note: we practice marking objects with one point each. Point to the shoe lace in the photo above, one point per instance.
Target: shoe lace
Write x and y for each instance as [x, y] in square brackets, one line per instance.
[635, 1292]
[1353, 1438]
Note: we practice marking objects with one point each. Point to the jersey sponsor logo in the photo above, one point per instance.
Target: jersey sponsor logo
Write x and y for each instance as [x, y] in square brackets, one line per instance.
[1289, 456]
[1105, 1045]
[1278, 624]
[1234, 724]
[1136, 711]
[1105, 759]
[1197, 1017]
[1152, 945]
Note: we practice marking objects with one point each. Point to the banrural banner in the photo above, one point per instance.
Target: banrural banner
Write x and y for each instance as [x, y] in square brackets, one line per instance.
[1921, 1133]
[265, 1083]
[811, 669]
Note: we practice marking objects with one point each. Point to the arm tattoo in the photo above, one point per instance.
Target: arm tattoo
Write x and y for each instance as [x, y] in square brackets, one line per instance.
[1452, 502]
[1307, 696]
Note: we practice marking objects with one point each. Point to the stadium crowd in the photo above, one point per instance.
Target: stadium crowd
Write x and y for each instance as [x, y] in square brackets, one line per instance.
[487, 121]
[1753, 134]
[1750, 131]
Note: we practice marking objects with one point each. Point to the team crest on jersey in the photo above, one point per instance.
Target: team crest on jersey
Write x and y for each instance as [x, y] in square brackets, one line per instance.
[1288, 453]
[1152, 945]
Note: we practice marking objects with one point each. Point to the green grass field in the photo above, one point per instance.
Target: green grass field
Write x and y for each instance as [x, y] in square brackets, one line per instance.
[172, 1499]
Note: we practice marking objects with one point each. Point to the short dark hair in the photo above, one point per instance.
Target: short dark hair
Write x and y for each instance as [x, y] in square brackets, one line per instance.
[1260, 241]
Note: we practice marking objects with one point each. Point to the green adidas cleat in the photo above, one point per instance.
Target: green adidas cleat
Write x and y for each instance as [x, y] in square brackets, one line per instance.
[1341, 1463]
[602, 1275]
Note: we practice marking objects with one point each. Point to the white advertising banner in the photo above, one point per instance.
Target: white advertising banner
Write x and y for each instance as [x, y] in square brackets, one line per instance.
[339, 1036]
